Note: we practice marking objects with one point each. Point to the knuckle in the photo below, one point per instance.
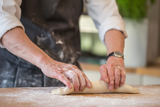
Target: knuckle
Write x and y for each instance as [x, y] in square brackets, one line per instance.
[83, 84]
[58, 70]
[122, 74]
[74, 76]
[112, 83]
[111, 74]
[65, 69]
[104, 76]
[59, 77]
[102, 67]
[110, 65]
[69, 65]
[62, 76]
[117, 72]
[81, 74]
[123, 71]
[75, 66]
[78, 71]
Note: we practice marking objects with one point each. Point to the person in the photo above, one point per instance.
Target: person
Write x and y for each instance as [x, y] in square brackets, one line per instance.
[40, 43]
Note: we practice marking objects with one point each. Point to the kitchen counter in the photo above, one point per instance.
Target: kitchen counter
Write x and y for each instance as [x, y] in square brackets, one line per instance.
[42, 97]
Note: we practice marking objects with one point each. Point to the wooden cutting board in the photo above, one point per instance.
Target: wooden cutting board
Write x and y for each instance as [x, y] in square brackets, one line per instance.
[41, 97]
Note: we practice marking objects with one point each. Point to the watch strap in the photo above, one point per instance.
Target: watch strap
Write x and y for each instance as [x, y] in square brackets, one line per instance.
[119, 55]
[111, 54]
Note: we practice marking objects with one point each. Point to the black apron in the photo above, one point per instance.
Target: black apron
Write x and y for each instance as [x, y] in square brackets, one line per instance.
[53, 26]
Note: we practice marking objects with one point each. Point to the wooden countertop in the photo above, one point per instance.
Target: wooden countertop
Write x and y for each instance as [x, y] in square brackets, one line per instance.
[151, 71]
[95, 67]
[41, 97]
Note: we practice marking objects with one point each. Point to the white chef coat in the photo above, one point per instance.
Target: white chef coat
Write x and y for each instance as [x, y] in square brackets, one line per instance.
[103, 12]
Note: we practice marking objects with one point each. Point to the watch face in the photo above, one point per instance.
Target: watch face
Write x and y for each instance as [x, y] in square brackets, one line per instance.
[118, 54]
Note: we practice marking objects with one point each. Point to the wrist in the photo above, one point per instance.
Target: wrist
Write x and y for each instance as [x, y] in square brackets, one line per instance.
[116, 54]
[115, 60]
[44, 61]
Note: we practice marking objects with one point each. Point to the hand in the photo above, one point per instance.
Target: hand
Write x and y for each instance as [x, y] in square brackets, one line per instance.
[18, 43]
[67, 74]
[113, 72]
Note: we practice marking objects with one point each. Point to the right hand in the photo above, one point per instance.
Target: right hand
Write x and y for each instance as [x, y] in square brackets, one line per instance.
[67, 74]
[18, 43]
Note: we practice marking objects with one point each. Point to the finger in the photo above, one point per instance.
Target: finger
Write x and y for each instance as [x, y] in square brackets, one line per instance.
[76, 82]
[82, 81]
[63, 79]
[110, 68]
[117, 78]
[104, 75]
[82, 78]
[57, 73]
[74, 78]
[123, 77]
[89, 85]
[87, 81]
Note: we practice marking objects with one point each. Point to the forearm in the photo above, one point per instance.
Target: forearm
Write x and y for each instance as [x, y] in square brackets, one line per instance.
[113, 71]
[114, 41]
[18, 43]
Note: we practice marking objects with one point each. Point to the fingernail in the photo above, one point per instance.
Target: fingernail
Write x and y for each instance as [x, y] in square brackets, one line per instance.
[111, 88]
[70, 86]
[106, 80]
[89, 84]
[112, 82]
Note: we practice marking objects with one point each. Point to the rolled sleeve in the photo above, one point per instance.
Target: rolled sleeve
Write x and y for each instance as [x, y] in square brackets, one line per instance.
[106, 16]
[9, 16]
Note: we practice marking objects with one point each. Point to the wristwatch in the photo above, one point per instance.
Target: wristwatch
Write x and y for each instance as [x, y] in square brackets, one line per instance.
[116, 54]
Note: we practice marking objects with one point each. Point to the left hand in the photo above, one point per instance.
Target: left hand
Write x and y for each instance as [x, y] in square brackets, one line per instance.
[113, 72]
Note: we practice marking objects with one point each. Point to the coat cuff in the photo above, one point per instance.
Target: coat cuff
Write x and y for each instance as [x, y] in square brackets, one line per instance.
[8, 22]
[111, 23]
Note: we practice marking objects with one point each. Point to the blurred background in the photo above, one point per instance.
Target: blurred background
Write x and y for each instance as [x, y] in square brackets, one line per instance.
[142, 47]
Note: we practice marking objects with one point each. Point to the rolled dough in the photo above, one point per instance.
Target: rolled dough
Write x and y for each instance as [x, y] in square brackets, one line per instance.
[97, 87]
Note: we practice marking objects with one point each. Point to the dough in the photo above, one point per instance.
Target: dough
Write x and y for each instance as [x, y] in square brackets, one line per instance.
[97, 87]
